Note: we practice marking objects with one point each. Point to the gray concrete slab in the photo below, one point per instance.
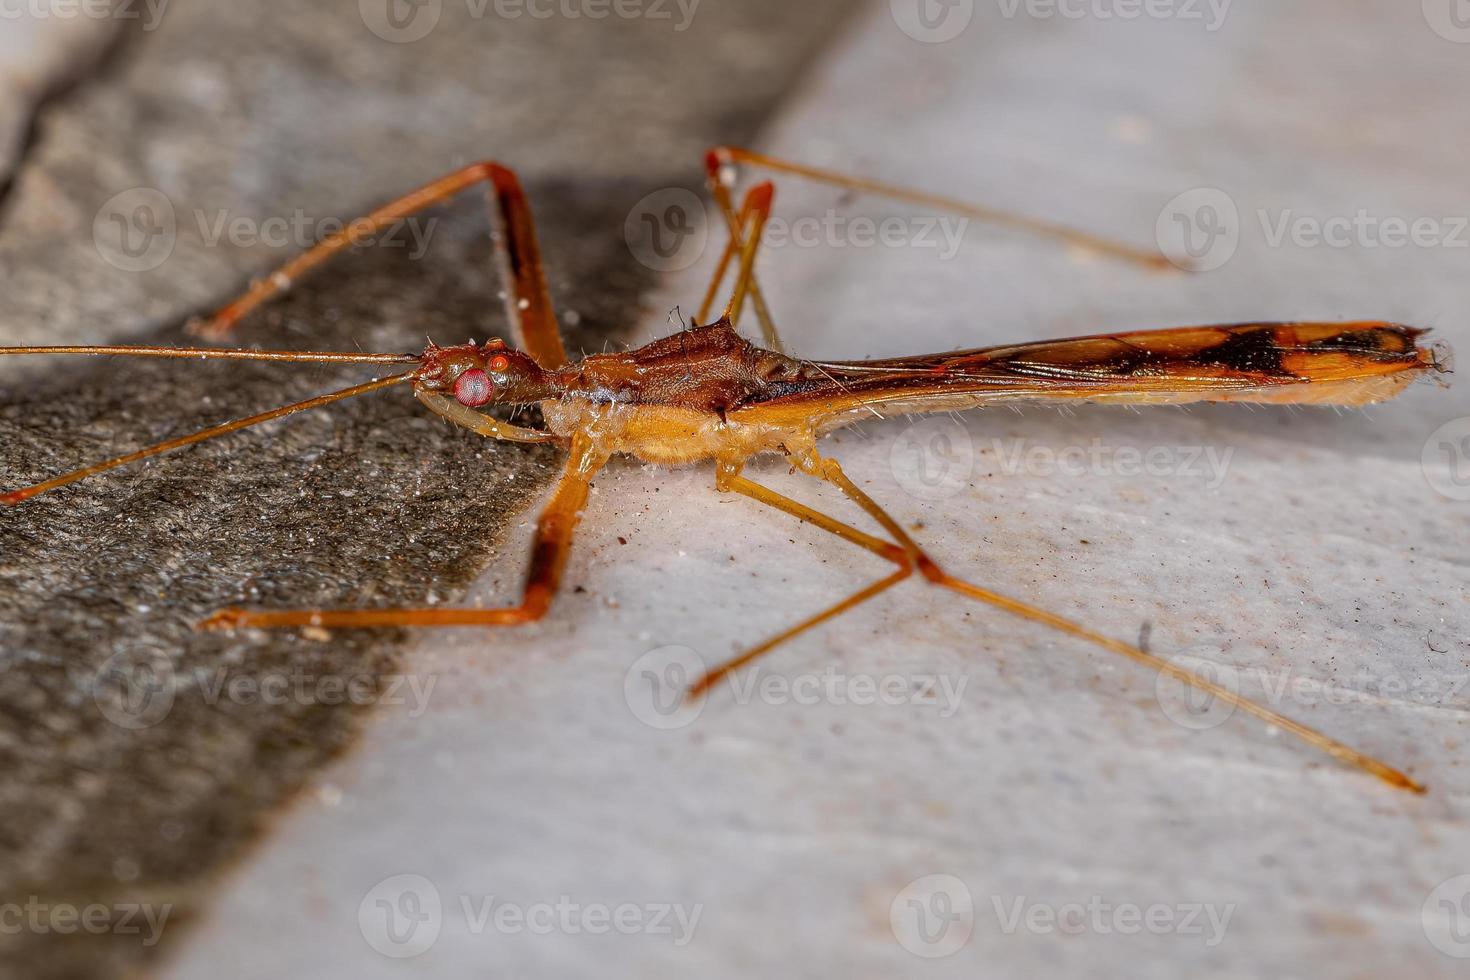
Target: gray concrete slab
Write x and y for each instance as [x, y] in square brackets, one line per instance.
[1056, 813]
[148, 195]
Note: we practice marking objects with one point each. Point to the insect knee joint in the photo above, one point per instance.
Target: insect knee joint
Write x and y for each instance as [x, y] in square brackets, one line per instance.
[726, 473]
[914, 560]
[535, 603]
[929, 569]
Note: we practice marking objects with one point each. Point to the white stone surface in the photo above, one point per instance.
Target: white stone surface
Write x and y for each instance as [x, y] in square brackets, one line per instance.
[39, 50]
[1320, 569]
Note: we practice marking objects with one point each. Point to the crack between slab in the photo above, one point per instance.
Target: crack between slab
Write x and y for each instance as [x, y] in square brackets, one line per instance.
[53, 91]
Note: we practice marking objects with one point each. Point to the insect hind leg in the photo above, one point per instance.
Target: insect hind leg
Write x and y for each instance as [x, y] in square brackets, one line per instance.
[910, 557]
[721, 160]
[830, 471]
[745, 229]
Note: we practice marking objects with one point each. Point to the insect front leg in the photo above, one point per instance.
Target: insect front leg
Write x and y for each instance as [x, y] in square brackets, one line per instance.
[549, 552]
[528, 298]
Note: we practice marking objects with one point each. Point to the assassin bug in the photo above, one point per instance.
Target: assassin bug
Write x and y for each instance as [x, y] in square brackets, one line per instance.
[707, 394]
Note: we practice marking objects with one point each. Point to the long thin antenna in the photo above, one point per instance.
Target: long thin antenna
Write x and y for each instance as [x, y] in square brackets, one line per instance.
[226, 354]
[17, 496]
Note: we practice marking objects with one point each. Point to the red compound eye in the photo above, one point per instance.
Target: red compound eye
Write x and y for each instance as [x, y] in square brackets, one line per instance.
[474, 388]
[499, 363]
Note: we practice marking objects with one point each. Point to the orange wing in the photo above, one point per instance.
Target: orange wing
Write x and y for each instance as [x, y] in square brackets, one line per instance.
[1266, 363]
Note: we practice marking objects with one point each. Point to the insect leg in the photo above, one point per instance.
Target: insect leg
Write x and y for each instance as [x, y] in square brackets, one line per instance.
[910, 555]
[722, 157]
[758, 207]
[528, 299]
[553, 542]
[734, 223]
[852, 601]
[830, 471]
[728, 479]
